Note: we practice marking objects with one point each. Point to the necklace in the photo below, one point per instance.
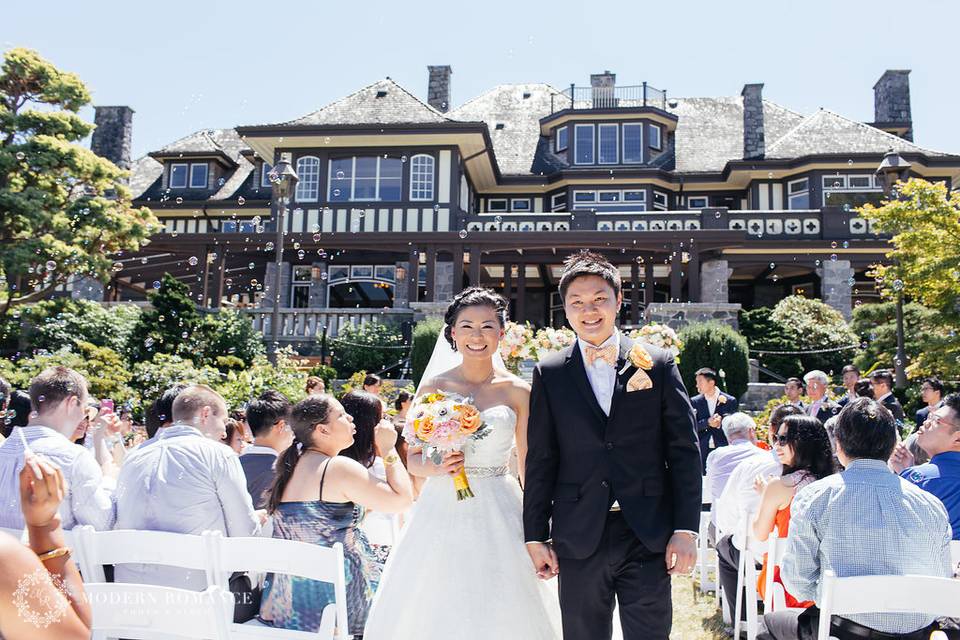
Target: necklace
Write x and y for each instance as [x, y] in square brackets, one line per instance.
[477, 385]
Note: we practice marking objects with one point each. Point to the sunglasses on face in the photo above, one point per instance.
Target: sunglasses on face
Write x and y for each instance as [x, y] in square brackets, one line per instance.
[782, 440]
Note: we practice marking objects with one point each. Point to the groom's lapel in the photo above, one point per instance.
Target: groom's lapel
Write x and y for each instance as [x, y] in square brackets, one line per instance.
[578, 371]
[623, 373]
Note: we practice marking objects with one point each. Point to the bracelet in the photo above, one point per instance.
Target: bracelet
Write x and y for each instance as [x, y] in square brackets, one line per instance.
[55, 553]
[391, 458]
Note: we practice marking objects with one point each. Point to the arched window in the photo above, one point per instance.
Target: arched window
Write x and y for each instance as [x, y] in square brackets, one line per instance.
[421, 177]
[308, 170]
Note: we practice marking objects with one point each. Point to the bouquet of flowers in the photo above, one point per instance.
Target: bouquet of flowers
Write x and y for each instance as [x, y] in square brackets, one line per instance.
[659, 335]
[517, 345]
[550, 339]
[443, 422]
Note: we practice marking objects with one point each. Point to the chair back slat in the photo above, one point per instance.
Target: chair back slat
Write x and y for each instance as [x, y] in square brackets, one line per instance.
[128, 546]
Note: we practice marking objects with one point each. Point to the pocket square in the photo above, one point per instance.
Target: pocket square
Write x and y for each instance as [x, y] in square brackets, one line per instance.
[639, 381]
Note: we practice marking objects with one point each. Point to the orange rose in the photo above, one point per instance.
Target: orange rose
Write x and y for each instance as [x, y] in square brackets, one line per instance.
[424, 428]
[469, 418]
[640, 358]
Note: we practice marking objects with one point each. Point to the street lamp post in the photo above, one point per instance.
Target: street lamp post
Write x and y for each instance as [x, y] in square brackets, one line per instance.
[891, 169]
[284, 179]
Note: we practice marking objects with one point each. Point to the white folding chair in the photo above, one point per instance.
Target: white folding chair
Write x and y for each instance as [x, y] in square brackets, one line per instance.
[703, 555]
[148, 612]
[885, 594]
[273, 555]
[955, 557]
[19, 534]
[774, 596]
[747, 578]
[142, 547]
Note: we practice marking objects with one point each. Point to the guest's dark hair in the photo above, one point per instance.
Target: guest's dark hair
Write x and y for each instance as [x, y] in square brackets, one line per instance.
[304, 417]
[707, 373]
[934, 383]
[781, 412]
[850, 368]
[473, 297]
[371, 379]
[796, 381]
[402, 397]
[230, 426]
[811, 446]
[587, 263]
[18, 412]
[863, 389]
[54, 385]
[883, 375]
[314, 382]
[265, 411]
[367, 412]
[161, 410]
[952, 401]
[866, 429]
[4, 393]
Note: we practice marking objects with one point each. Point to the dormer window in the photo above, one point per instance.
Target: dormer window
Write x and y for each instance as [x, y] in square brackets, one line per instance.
[583, 144]
[265, 169]
[182, 172]
[608, 147]
[198, 175]
[656, 133]
[632, 142]
[178, 175]
[561, 141]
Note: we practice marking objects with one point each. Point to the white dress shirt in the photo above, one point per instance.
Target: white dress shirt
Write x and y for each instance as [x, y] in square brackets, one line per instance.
[602, 376]
[184, 483]
[87, 500]
[739, 500]
[712, 402]
[721, 464]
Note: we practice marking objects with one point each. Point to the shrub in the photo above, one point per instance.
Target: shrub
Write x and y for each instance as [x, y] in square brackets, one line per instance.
[718, 346]
[813, 325]
[876, 326]
[168, 327]
[762, 333]
[326, 373]
[53, 324]
[425, 336]
[239, 387]
[227, 340]
[370, 347]
[389, 390]
[152, 376]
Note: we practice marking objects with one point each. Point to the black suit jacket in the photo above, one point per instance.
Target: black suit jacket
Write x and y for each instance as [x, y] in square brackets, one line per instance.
[891, 403]
[702, 413]
[644, 455]
[923, 414]
[828, 409]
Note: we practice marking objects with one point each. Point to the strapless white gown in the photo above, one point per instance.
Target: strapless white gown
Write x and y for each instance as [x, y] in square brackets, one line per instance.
[460, 569]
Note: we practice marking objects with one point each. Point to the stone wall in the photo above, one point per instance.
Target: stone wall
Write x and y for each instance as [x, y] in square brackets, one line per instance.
[679, 314]
[753, 135]
[891, 100]
[438, 88]
[113, 135]
[268, 281]
[714, 277]
[837, 285]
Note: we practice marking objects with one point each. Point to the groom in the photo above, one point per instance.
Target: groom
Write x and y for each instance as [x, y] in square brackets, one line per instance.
[612, 484]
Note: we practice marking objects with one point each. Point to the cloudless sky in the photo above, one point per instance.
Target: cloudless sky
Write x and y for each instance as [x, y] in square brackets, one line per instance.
[185, 65]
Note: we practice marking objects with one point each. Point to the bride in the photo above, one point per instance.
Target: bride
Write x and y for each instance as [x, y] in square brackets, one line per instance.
[460, 569]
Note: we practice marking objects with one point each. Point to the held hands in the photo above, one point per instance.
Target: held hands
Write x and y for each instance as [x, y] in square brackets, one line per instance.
[42, 488]
[384, 437]
[544, 558]
[452, 463]
[681, 554]
[715, 421]
[900, 459]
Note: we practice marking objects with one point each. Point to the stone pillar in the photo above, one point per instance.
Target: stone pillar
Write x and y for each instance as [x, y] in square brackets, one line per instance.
[318, 292]
[443, 282]
[891, 101]
[113, 135]
[267, 300]
[438, 88]
[836, 285]
[753, 135]
[400, 298]
[714, 278]
[603, 89]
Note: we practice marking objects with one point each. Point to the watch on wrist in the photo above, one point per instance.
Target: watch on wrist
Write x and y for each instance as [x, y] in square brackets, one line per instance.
[391, 458]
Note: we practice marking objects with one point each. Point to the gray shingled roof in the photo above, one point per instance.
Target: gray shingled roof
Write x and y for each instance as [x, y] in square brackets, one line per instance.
[515, 144]
[395, 105]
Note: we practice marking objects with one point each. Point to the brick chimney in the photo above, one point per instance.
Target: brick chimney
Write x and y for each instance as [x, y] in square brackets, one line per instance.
[603, 88]
[753, 141]
[113, 135]
[438, 88]
[891, 103]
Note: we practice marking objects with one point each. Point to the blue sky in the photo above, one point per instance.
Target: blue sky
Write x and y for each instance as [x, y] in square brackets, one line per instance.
[187, 65]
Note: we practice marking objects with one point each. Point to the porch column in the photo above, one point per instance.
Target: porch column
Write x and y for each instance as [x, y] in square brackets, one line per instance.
[475, 265]
[693, 271]
[431, 295]
[413, 275]
[268, 278]
[676, 273]
[635, 292]
[457, 269]
[508, 283]
[650, 282]
[218, 276]
[521, 291]
[205, 291]
[714, 278]
[836, 285]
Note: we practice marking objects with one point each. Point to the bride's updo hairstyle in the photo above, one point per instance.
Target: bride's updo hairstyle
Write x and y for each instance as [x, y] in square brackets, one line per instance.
[473, 297]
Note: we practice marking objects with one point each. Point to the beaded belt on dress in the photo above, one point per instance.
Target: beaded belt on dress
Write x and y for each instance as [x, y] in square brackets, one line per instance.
[486, 472]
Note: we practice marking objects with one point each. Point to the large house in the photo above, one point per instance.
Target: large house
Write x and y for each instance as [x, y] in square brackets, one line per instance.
[706, 204]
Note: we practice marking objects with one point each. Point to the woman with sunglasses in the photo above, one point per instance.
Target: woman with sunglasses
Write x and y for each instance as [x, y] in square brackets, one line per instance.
[803, 448]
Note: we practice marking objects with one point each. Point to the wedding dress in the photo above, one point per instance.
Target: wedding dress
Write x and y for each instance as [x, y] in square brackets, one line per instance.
[460, 569]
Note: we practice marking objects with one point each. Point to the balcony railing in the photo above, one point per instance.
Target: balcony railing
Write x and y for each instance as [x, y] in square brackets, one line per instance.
[628, 97]
[304, 325]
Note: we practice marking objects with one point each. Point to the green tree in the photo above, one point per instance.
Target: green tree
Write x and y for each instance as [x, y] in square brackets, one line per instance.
[811, 325]
[106, 372]
[63, 210]
[168, 326]
[150, 377]
[369, 347]
[425, 336]
[718, 346]
[227, 336]
[286, 376]
[51, 324]
[876, 326]
[762, 333]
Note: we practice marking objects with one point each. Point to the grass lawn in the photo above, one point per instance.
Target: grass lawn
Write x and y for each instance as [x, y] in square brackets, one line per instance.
[695, 616]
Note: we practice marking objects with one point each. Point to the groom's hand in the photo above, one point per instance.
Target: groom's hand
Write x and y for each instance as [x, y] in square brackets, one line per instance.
[544, 558]
[681, 554]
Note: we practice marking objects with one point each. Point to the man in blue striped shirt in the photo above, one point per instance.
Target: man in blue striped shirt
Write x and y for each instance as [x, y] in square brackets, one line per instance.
[863, 521]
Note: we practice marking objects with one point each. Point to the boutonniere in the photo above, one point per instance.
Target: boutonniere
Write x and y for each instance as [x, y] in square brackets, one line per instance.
[641, 359]
[722, 399]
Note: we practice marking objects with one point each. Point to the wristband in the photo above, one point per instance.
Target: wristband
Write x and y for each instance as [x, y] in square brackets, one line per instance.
[391, 458]
[55, 553]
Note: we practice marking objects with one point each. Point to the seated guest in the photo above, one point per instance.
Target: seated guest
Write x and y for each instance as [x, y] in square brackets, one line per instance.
[58, 614]
[850, 377]
[793, 389]
[185, 482]
[862, 521]
[315, 386]
[18, 412]
[939, 437]
[740, 431]
[160, 413]
[739, 501]
[803, 449]
[709, 406]
[882, 383]
[268, 418]
[323, 511]
[372, 384]
[233, 435]
[821, 406]
[58, 399]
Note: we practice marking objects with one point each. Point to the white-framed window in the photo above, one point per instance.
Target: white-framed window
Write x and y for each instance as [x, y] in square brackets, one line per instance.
[178, 175]
[421, 177]
[632, 142]
[635, 195]
[520, 204]
[584, 196]
[861, 182]
[365, 178]
[798, 194]
[265, 169]
[834, 182]
[609, 196]
[583, 144]
[656, 134]
[558, 201]
[609, 143]
[697, 202]
[300, 283]
[198, 175]
[560, 143]
[497, 204]
[660, 200]
[308, 170]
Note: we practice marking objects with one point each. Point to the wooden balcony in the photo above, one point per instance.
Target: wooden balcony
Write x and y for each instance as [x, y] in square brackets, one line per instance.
[307, 325]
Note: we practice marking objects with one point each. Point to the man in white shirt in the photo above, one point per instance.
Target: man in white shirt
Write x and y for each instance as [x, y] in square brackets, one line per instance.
[58, 398]
[740, 430]
[186, 482]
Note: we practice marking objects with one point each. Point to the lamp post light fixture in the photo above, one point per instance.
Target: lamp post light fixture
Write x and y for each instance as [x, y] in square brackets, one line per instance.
[894, 168]
[283, 180]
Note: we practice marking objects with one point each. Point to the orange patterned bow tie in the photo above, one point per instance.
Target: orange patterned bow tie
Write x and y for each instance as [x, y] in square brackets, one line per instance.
[608, 354]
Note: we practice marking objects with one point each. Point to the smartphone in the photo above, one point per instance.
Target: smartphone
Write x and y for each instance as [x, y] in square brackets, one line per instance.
[106, 405]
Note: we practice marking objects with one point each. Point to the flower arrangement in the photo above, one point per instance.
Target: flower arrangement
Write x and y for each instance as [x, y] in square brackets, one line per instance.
[659, 335]
[550, 339]
[517, 345]
[443, 422]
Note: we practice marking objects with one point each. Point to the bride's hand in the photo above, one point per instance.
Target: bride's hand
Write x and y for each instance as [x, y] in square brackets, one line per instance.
[452, 463]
